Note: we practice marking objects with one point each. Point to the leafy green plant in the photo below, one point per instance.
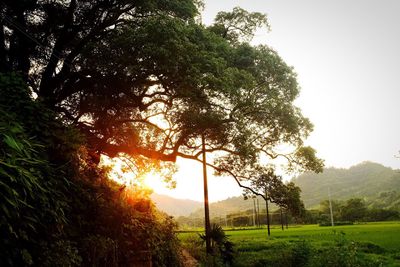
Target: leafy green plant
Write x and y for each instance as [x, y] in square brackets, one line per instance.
[32, 201]
[220, 245]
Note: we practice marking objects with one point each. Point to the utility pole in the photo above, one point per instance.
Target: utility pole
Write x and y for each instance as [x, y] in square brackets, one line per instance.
[206, 208]
[286, 219]
[258, 214]
[330, 205]
[254, 212]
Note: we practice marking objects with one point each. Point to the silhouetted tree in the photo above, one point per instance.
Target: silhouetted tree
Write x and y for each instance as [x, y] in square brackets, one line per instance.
[143, 78]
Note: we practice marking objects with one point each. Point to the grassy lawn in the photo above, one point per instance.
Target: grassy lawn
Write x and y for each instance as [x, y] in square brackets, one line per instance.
[376, 243]
[386, 235]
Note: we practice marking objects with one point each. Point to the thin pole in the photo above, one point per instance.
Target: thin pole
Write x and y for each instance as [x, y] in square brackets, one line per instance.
[206, 208]
[258, 214]
[254, 212]
[330, 205]
[286, 220]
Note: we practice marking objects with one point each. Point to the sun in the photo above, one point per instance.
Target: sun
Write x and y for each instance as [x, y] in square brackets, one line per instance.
[153, 181]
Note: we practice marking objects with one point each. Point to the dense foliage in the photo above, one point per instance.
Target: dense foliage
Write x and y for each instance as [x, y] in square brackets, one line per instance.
[34, 179]
[58, 207]
[355, 209]
[348, 212]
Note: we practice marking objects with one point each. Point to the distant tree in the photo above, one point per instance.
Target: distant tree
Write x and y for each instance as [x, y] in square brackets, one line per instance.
[382, 215]
[353, 209]
[325, 209]
[271, 188]
[292, 202]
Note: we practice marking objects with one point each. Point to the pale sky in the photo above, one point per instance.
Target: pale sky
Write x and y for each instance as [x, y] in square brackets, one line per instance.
[347, 57]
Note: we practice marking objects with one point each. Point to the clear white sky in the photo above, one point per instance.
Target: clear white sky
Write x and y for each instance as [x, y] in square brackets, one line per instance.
[347, 56]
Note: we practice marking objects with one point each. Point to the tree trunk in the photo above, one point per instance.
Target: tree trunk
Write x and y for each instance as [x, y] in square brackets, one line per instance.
[206, 208]
[281, 219]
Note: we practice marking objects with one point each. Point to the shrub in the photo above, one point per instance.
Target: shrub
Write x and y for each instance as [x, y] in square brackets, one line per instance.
[343, 253]
[220, 245]
[301, 252]
[369, 247]
[31, 199]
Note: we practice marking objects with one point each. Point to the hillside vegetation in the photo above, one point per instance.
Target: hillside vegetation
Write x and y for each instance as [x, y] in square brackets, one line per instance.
[174, 206]
[373, 182]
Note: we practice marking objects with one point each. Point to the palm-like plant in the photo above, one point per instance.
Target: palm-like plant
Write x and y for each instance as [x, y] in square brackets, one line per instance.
[220, 244]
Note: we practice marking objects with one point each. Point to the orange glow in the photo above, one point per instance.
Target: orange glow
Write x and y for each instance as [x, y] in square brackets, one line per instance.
[188, 181]
[152, 181]
[147, 181]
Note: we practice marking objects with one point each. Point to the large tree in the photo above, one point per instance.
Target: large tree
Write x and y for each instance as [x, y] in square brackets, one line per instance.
[144, 79]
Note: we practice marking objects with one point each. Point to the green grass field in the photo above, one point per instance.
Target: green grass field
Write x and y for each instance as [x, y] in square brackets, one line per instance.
[377, 244]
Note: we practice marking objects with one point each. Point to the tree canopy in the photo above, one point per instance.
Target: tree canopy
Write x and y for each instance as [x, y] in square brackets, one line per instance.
[145, 79]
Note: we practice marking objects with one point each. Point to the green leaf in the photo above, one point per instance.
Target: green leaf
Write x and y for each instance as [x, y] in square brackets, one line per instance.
[12, 143]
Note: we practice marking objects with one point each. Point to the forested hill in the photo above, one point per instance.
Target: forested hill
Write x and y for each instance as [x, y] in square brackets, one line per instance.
[378, 185]
[371, 181]
[185, 207]
[229, 205]
[174, 206]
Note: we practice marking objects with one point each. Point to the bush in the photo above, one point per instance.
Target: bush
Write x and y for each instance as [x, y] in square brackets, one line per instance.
[222, 252]
[343, 253]
[369, 247]
[126, 227]
[301, 252]
[32, 202]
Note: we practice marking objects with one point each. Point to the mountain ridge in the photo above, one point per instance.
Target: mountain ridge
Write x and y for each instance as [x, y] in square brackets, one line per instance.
[378, 185]
[175, 206]
[365, 180]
